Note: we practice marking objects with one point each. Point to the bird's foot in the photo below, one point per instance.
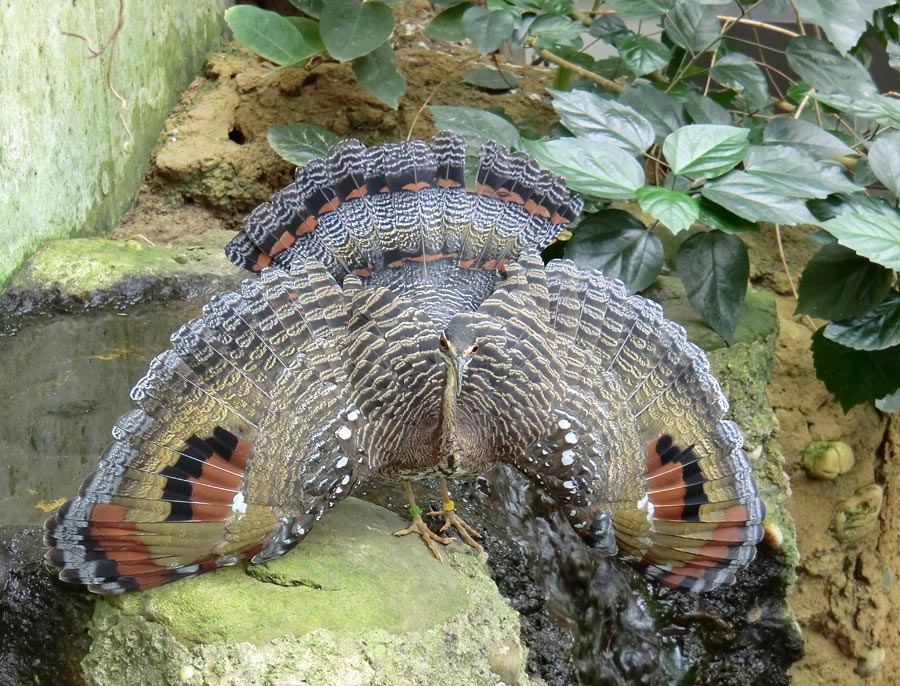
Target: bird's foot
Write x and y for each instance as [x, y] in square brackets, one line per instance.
[466, 531]
[417, 526]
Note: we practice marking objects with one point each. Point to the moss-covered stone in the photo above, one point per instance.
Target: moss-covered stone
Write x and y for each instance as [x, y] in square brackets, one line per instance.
[68, 165]
[351, 605]
[83, 273]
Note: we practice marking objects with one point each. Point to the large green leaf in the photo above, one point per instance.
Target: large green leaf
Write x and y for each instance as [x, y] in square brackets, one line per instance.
[838, 284]
[843, 20]
[604, 120]
[299, 143]
[878, 108]
[738, 72]
[871, 235]
[477, 126]
[641, 54]
[617, 243]
[663, 111]
[825, 69]
[448, 24]
[590, 167]
[884, 160]
[797, 174]
[554, 30]
[890, 402]
[351, 28]
[756, 199]
[692, 26]
[714, 268]
[805, 136]
[491, 79]
[855, 376]
[704, 110]
[641, 9]
[717, 217]
[377, 72]
[487, 29]
[270, 35]
[877, 329]
[705, 150]
[674, 209]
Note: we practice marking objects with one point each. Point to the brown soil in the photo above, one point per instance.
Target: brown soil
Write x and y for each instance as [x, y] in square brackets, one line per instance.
[213, 164]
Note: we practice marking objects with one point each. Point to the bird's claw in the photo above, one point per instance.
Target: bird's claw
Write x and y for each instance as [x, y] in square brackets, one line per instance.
[465, 530]
[417, 526]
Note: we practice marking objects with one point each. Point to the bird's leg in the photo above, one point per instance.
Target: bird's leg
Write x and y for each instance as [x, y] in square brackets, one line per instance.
[465, 530]
[419, 527]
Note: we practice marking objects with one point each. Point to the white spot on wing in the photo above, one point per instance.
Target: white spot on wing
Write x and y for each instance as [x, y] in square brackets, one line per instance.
[571, 438]
[344, 433]
[238, 504]
[568, 457]
[340, 464]
[565, 424]
[353, 416]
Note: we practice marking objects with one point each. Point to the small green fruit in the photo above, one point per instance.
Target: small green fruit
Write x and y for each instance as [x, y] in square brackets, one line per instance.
[827, 459]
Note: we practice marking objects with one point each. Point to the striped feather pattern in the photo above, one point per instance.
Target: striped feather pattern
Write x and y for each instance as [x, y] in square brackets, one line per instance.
[378, 274]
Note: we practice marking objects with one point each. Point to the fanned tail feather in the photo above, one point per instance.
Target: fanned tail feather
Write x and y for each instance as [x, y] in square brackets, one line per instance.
[701, 516]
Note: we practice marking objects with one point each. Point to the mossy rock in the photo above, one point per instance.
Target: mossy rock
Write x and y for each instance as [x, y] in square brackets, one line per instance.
[350, 605]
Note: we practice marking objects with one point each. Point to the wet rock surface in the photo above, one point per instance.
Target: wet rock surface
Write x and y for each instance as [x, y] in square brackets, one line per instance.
[43, 625]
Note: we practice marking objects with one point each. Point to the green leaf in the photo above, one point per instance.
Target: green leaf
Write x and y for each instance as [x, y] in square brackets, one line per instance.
[556, 30]
[838, 284]
[477, 126]
[871, 235]
[642, 55]
[845, 203]
[884, 160]
[663, 111]
[738, 72]
[692, 26]
[299, 143]
[488, 30]
[718, 217]
[641, 9]
[448, 25]
[604, 120]
[351, 28]
[704, 110]
[843, 20]
[270, 35]
[309, 29]
[674, 209]
[491, 79]
[714, 268]
[878, 108]
[825, 69]
[756, 199]
[855, 376]
[378, 74]
[313, 8]
[590, 167]
[617, 243]
[796, 173]
[608, 27]
[705, 150]
[877, 329]
[805, 136]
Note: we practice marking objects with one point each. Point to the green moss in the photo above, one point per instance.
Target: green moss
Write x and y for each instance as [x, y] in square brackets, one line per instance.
[351, 604]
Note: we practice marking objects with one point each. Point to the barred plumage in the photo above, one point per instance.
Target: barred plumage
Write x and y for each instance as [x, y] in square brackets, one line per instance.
[403, 325]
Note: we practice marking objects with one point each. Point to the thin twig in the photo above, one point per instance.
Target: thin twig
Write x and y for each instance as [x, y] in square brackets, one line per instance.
[110, 44]
[787, 273]
[800, 26]
[758, 24]
[803, 102]
[575, 69]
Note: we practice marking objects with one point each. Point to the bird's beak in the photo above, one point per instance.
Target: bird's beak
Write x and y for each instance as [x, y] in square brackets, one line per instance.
[460, 362]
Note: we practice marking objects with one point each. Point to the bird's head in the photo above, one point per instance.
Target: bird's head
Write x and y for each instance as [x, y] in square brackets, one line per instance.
[458, 345]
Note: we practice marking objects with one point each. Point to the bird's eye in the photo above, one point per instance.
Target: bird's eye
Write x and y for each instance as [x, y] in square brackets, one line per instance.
[443, 343]
[474, 349]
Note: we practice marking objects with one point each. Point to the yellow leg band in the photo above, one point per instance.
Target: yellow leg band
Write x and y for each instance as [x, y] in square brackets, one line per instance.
[448, 506]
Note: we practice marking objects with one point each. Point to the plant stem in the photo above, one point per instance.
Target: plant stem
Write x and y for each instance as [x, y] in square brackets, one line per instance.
[575, 69]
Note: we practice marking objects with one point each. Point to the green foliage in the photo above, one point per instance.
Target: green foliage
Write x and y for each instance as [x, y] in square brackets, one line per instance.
[689, 124]
[299, 143]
